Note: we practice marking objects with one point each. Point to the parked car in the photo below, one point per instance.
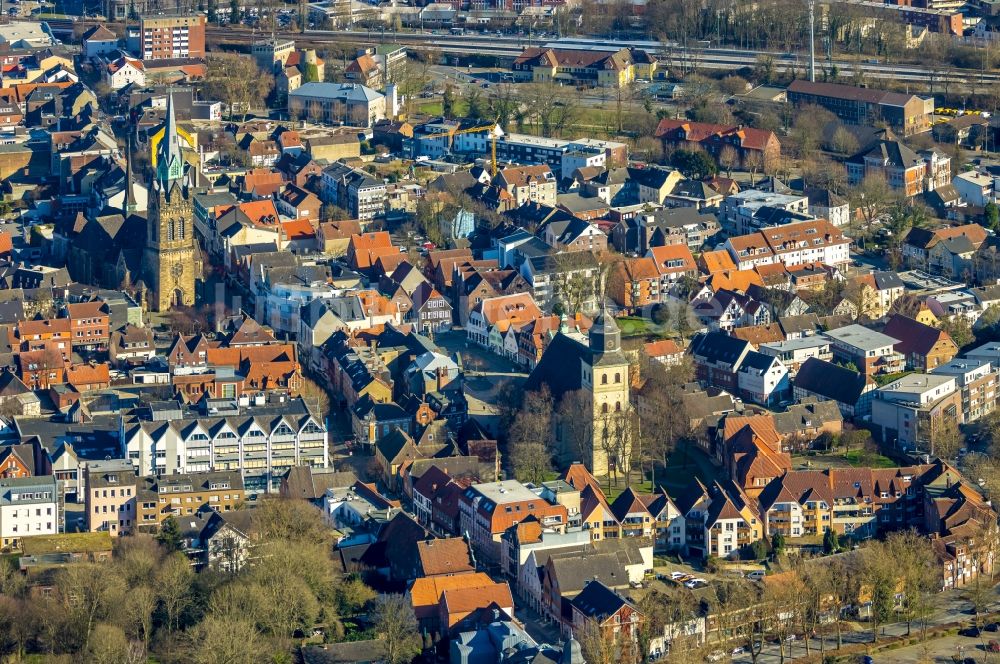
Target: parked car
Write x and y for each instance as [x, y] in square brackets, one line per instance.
[716, 656]
[756, 575]
[738, 650]
[993, 646]
[992, 627]
[676, 575]
[971, 631]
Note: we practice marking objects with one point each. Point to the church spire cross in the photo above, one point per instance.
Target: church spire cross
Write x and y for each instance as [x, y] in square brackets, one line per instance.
[130, 203]
[169, 158]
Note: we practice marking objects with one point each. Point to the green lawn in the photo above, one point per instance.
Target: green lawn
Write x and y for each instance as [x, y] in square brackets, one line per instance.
[73, 542]
[550, 475]
[619, 489]
[885, 379]
[860, 458]
[429, 107]
[435, 107]
[633, 326]
[686, 463]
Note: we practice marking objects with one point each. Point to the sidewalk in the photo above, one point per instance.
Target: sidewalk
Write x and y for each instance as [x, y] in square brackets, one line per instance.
[952, 610]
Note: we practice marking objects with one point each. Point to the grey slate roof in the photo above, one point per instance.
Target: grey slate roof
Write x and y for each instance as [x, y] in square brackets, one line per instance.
[345, 91]
[574, 571]
[831, 381]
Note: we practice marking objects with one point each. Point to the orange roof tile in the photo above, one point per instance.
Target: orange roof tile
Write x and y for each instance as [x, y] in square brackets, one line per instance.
[517, 307]
[261, 212]
[460, 602]
[233, 357]
[93, 309]
[426, 592]
[86, 374]
[662, 348]
[444, 556]
[298, 229]
[639, 268]
[716, 261]
[57, 326]
[366, 248]
[666, 256]
[735, 280]
[762, 425]
[759, 334]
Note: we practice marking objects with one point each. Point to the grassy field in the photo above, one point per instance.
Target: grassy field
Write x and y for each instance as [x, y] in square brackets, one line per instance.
[686, 463]
[618, 489]
[429, 108]
[860, 458]
[638, 327]
[76, 542]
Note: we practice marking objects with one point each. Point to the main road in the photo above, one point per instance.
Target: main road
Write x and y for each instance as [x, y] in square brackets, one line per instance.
[675, 55]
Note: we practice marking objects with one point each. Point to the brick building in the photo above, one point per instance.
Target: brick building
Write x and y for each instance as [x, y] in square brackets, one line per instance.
[166, 36]
[183, 495]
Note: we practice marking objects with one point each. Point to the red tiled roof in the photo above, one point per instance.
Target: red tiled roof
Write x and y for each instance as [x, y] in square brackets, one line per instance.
[298, 229]
[425, 592]
[460, 602]
[93, 309]
[43, 326]
[444, 556]
[86, 374]
[662, 348]
[697, 132]
[673, 252]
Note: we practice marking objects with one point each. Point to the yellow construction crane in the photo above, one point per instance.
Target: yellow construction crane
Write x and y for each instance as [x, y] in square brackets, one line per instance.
[491, 128]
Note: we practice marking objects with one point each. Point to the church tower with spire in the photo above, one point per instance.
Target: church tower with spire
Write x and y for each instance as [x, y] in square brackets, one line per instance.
[605, 380]
[169, 259]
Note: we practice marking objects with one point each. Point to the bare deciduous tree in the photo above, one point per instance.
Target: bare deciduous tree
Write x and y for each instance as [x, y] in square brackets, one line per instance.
[597, 646]
[576, 425]
[728, 159]
[753, 162]
[872, 197]
[396, 626]
[945, 437]
[530, 437]
[315, 396]
[226, 640]
[236, 81]
[92, 594]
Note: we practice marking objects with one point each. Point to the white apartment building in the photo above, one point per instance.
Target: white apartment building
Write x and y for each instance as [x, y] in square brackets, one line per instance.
[28, 506]
[816, 241]
[487, 510]
[739, 212]
[260, 437]
[976, 188]
[794, 352]
[977, 380]
[906, 410]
